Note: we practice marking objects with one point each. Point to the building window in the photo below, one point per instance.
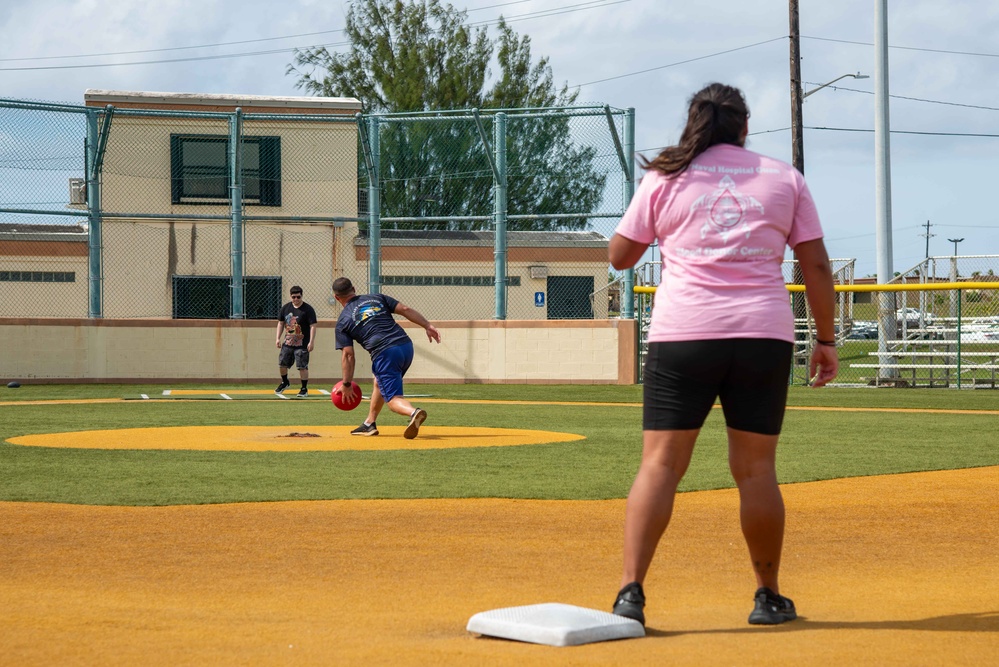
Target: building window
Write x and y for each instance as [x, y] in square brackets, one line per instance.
[37, 276]
[208, 297]
[199, 169]
[448, 281]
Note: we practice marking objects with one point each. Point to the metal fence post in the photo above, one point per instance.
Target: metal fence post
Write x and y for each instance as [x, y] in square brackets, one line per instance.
[236, 301]
[959, 299]
[95, 244]
[374, 210]
[500, 213]
[628, 296]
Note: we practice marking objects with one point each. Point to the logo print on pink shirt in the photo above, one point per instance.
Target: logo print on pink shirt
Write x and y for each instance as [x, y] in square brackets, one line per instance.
[726, 208]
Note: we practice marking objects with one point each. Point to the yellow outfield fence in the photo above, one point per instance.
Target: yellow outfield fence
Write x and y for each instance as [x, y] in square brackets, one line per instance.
[890, 287]
[927, 334]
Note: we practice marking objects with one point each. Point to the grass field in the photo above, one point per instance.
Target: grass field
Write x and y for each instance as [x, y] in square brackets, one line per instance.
[862, 435]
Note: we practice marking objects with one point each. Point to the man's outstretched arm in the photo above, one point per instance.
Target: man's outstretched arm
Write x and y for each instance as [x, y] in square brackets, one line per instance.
[415, 317]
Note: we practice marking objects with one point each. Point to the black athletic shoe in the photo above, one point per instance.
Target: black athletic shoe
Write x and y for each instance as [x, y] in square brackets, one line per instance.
[419, 416]
[630, 602]
[302, 393]
[365, 429]
[771, 609]
[281, 387]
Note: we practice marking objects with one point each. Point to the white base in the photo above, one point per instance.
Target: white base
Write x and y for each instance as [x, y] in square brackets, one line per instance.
[554, 624]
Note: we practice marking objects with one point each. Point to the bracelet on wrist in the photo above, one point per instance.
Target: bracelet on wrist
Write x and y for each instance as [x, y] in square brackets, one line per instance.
[344, 383]
[830, 343]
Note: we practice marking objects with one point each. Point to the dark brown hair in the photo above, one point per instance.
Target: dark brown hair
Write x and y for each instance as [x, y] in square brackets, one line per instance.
[342, 287]
[716, 115]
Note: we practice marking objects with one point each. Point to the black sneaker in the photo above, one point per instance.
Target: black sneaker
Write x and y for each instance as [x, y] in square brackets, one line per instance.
[281, 387]
[365, 429]
[302, 393]
[419, 416]
[630, 602]
[771, 609]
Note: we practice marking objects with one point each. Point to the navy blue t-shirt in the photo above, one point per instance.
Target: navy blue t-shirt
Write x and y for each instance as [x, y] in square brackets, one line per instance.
[367, 319]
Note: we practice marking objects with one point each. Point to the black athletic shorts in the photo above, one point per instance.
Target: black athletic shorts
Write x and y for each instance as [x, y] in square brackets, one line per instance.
[683, 378]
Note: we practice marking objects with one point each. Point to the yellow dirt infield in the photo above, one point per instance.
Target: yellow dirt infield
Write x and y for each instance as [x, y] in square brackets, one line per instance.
[287, 439]
[895, 570]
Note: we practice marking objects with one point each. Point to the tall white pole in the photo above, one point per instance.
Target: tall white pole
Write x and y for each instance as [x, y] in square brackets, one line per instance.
[882, 166]
[882, 148]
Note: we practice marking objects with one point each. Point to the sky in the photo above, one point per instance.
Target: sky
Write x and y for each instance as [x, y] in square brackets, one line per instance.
[647, 54]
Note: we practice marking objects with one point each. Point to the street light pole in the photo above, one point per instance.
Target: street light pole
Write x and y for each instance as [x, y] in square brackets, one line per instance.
[858, 75]
[797, 98]
[955, 242]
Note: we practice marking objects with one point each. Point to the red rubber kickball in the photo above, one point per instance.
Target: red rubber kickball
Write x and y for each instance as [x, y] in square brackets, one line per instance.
[340, 402]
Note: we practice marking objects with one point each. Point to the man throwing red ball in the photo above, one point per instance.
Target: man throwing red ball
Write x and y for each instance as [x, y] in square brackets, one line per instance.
[367, 320]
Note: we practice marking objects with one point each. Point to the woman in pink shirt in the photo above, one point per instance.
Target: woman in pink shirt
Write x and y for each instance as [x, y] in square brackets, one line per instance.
[722, 328]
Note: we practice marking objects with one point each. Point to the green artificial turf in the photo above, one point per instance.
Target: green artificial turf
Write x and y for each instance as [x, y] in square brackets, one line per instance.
[815, 445]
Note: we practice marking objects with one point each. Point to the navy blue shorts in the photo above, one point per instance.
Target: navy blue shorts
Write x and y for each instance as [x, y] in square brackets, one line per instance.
[682, 379]
[389, 367]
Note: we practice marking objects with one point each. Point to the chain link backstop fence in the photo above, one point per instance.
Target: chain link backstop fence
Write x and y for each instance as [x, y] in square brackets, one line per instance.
[130, 211]
[935, 325]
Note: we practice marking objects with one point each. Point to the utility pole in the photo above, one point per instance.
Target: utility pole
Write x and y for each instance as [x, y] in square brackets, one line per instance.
[797, 138]
[927, 235]
[798, 306]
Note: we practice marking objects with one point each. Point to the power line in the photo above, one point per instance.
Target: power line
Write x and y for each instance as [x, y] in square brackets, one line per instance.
[593, 4]
[217, 44]
[169, 48]
[568, 9]
[914, 99]
[854, 129]
[905, 48]
[779, 129]
[681, 62]
[930, 134]
[992, 227]
[169, 60]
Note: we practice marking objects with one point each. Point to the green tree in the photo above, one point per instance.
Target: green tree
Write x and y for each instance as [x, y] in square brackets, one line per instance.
[420, 55]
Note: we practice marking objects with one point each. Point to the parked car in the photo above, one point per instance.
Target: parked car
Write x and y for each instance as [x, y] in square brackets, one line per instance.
[863, 330]
[913, 316]
[980, 334]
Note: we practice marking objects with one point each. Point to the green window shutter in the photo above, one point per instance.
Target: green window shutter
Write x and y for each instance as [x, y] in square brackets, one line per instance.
[176, 168]
[270, 171]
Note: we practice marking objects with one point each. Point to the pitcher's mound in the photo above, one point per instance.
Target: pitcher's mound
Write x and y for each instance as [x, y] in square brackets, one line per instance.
[289, 439]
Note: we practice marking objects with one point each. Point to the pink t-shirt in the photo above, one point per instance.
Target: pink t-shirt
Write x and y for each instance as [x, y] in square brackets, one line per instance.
[722, 226]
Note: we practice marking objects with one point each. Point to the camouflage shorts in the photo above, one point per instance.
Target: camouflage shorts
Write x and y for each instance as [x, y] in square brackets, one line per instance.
[298, 355]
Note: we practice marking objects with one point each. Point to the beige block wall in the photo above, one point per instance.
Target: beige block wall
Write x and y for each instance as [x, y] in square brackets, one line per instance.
[479, 302]
[162, 351]
[19, 299]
